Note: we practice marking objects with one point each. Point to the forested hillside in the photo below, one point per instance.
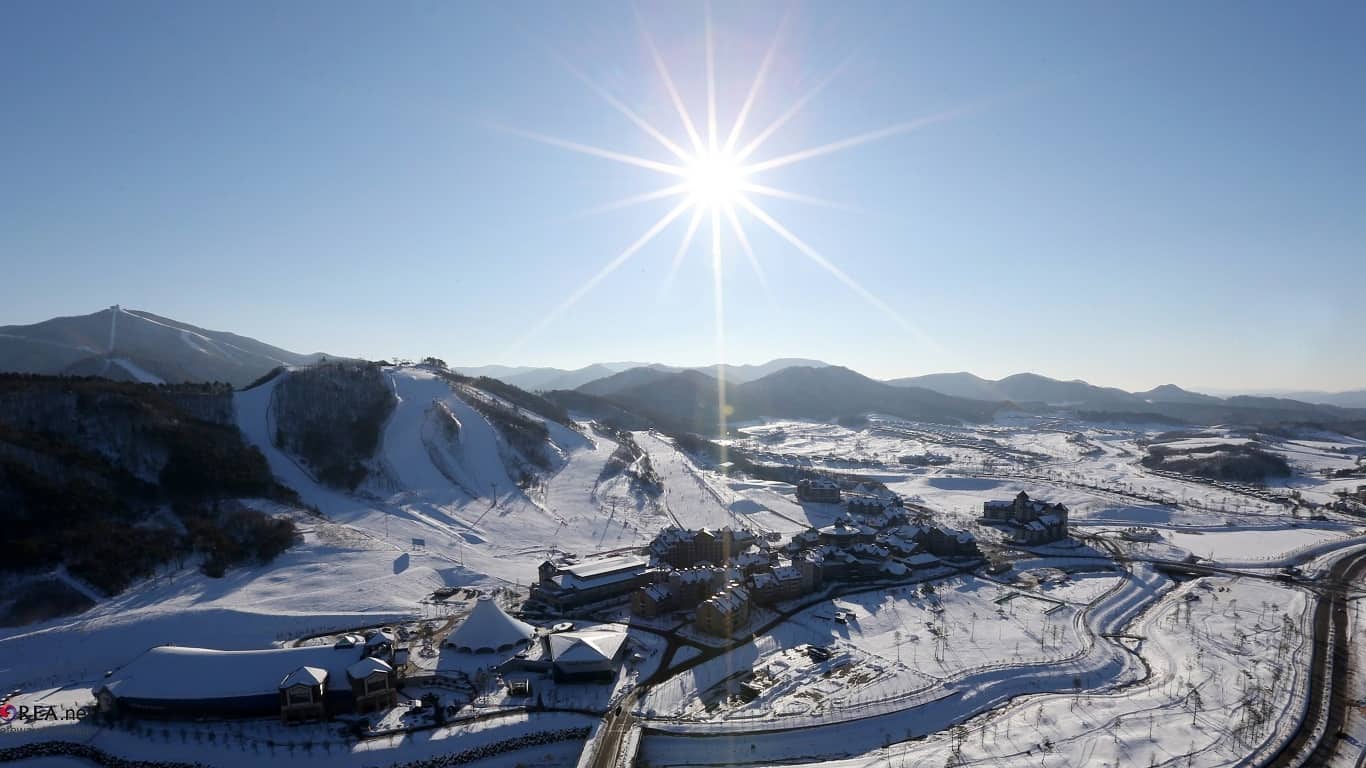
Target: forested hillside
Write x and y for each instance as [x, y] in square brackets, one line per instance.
[111, 479]
[330, 416]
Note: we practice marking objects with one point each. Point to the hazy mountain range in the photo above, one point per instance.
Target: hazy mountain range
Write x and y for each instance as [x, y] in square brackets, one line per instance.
[1031, 387]
[137, 345]
[547, 379]
[133, 345]
[691, 399]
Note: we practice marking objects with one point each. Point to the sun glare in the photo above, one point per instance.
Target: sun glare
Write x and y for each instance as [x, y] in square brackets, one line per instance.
[715, 179]
[716, 182]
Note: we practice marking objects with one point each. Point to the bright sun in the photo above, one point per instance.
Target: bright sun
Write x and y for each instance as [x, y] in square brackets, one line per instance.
[715, 178]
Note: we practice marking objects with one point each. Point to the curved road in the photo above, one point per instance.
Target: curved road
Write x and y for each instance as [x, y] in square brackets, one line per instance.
[1328, 670]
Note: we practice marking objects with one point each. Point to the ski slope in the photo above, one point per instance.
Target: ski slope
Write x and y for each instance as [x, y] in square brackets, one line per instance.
[458, 493]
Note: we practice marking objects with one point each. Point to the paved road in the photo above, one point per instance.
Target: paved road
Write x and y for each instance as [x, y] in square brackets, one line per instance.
[1328, 670]
[1307, 747]
[615, 726]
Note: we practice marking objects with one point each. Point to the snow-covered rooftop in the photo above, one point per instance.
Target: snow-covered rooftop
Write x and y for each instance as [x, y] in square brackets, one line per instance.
[608, 565]
[171, 672]
[368, 666]
[309, 676]
[489, 628]
[586, 646]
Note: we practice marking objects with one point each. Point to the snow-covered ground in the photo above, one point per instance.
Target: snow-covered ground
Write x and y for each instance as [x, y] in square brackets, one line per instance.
[1212, 689]
[268, 743]
[893, 643]
[458, 496]
[1021, 660]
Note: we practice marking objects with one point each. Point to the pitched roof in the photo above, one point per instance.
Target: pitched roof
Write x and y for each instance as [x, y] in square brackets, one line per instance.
[586, 646]
[366, 667]
[658, 592]
[489, 627]
[309, 676]
[730, 601]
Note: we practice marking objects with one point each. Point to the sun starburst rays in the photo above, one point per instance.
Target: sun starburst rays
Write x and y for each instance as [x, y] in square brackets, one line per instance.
[716, 181]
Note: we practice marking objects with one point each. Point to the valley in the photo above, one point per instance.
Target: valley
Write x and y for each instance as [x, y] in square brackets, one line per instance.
[970, 657]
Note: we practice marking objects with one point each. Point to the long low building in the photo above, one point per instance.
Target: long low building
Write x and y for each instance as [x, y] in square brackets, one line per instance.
[181, 682]
[570, 585]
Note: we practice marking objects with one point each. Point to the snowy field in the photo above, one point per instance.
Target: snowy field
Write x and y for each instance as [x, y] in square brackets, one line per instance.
[271, 744]
[1021, 668]
[892, 644]
[1213, 690]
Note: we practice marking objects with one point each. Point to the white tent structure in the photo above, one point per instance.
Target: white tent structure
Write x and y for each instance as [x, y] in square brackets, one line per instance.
[488, 629]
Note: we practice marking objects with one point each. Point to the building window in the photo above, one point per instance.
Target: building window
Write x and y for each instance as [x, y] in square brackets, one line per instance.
[300, 695]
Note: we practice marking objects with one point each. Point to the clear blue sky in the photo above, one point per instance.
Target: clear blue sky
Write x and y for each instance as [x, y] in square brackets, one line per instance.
[1135, 194]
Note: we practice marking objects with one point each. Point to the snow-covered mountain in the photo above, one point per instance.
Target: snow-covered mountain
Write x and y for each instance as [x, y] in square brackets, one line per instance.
[134, 345]
[469, 468]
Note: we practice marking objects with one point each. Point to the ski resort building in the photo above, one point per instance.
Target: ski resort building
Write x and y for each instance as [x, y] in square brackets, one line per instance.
[585, 655]
[683, 548]
[875, 505]
[374, 684]
[1026, 520]
[489, 629]
[679, 590]
[785, 582]
[572, 585]
[844, 534]
[724, 612]
[307, 683]
[818, 490]
[652, 601]
[303, 695]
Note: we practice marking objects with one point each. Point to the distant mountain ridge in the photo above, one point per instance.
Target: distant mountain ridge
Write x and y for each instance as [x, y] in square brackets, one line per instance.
[132, 345]
[1170, 393]
[548, 379]
[1354, 398]
[1167, 401]
[691, 400]
[1020, 388]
